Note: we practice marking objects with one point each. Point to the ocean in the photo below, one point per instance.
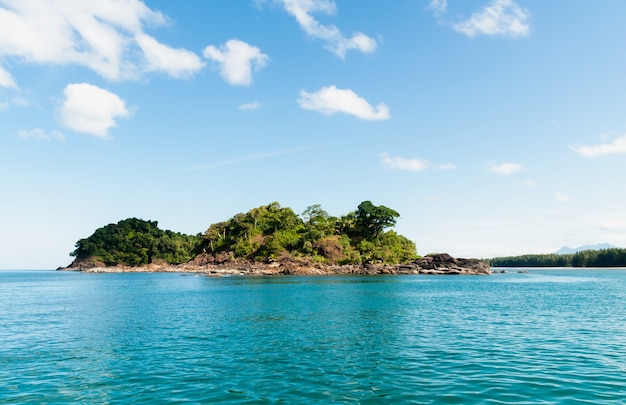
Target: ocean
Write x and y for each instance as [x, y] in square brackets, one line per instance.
[542, 337]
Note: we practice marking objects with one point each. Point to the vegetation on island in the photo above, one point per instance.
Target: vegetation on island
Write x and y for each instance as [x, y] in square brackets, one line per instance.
[135, 242]
[265, 233]
[614, 257]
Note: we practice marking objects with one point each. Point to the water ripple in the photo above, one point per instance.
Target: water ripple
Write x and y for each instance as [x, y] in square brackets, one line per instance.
[146, 338]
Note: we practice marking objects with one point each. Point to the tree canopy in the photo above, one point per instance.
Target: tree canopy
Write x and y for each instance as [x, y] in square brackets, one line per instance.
[264, 233]
[135, 242]
[267, 232]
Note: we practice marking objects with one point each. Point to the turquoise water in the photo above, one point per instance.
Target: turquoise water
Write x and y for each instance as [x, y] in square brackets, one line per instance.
[546, 337]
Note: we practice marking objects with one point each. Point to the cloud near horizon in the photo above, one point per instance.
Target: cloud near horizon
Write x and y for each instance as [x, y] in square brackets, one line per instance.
[616, 147]
[330, 100]
[401, 163]
[500, 17]
[88, 109]
[562, 197]
[107, 38]
[506, 168]
[236, 60]
[303, 11]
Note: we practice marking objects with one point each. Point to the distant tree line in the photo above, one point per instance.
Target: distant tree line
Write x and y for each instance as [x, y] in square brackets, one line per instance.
[264, 233]
[613, 257]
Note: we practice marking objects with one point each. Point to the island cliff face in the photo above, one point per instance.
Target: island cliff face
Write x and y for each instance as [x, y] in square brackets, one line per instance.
[440, 264]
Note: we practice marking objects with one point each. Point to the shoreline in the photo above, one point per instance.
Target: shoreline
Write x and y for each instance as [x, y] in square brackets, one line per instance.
[442, 264]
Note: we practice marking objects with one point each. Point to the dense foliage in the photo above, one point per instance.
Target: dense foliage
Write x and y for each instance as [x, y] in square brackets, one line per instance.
[265, 233]
[587, 258]
[135, 242]
[271, 231]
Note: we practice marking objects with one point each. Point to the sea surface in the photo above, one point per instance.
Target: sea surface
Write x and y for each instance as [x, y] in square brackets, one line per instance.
[542, 337]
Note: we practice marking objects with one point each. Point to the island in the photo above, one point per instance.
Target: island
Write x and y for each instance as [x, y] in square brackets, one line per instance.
[269, 240]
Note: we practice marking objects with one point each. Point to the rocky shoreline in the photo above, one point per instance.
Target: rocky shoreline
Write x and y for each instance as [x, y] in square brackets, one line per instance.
[440, 264]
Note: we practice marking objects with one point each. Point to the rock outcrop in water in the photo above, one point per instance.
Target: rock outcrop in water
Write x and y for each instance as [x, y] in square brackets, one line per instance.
[440, 264]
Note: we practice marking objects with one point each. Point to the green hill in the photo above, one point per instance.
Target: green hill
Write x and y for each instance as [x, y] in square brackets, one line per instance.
[265, 233]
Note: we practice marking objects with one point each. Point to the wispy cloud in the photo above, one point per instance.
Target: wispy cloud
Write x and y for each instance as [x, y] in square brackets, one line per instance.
[506, 168]
[252, 157]
[402, 163]
[528, 183]
[446, 166]
[254, 105]
[38, 133]
[303, 11]
[110, 40]
[439, 6]
[618, 226]
[562, 197]
[6, 80]
[330, 100]
[616, 147]
[91, 110]
[500, 17]
[236, 60]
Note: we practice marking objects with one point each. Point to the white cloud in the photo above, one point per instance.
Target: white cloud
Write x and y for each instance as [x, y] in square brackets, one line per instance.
[401, 163]
[107, 37]
[616, 226]
[160, 57]
[501, 17]
[91, 110]
[39, 133]
[617, 147]
[446, 166]
[506, 168]
[330, 100]
[17, 101]
[528, 183]
[302, 10]
[255, 105]
[20, 101]
[439, 6]
[236, 60]
[562, 197]
[6, 80]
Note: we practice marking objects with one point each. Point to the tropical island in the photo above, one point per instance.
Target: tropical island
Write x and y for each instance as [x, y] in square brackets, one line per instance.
[268, 240]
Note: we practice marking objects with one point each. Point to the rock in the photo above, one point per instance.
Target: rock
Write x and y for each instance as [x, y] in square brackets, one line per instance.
[445, 264]
[441, 264]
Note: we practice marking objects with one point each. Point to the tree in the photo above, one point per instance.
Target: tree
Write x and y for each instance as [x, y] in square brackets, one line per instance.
[135, 242]
[371, 220]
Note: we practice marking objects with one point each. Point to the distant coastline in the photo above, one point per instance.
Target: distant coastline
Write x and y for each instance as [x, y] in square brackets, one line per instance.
[600, 258]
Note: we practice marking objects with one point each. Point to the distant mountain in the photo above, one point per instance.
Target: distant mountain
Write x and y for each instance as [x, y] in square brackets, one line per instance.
[565, 250]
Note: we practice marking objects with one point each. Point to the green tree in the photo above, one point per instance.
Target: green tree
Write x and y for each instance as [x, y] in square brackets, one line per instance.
[371, 220]
[135, 242]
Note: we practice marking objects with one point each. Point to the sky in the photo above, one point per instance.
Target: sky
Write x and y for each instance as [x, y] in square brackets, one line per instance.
[494, 127]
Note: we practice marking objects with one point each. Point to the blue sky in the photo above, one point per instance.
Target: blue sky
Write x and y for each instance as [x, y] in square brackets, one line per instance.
[495, 127]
